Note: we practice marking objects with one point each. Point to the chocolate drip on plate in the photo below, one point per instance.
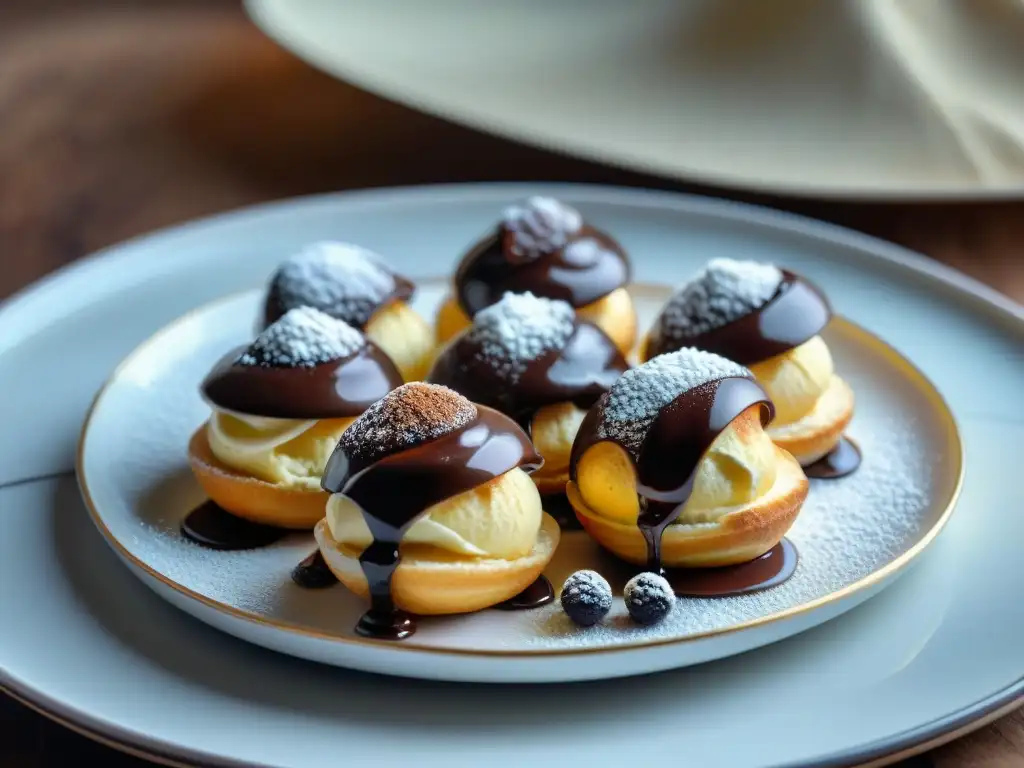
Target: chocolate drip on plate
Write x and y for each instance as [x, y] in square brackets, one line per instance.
[539, 593]
[337, 389]
[839, 462]
[312, 572]
[393, 492]
[579, 372]
[796, 313]
[667, 460]
[589, 266]
[214, 527]
[769, 570]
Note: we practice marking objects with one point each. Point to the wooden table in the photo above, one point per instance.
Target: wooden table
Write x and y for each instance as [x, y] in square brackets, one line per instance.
[121, 117]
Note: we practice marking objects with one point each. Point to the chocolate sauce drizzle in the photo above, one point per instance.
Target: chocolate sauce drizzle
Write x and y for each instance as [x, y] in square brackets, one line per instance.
[539, 593]
[579, 372]
[401, 290]
[589, 266]
[667, 460]
[211, 526]
[841, 461]
[769, 570]
[796, 313]
[393, 492]
[338, 389]
[312, 572]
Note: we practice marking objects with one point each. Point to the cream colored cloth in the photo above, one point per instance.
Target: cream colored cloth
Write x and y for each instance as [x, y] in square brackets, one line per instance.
[873, 96]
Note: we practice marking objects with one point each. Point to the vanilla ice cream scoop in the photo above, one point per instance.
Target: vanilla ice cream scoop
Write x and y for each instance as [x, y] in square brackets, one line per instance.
[498, 519]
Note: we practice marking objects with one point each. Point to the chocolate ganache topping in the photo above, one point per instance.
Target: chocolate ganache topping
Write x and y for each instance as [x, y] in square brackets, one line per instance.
[306, 365]
[742, 310]
[544, 247]
[416, 447]
[526, 352]
[666, 414]
[342, 280]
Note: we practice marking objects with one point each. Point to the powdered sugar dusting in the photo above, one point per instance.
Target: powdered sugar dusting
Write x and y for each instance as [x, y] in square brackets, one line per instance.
[724, 291]
[635, 399]
[518, 329]
[302, 338]
[586, 583]
[408, 416]
[344, 280]
[540, 225]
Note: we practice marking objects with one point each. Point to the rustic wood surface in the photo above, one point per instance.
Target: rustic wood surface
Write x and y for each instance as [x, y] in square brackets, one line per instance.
[118, 118]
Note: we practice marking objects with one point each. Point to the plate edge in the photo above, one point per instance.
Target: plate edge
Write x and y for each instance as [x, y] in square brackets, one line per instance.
[905, 744]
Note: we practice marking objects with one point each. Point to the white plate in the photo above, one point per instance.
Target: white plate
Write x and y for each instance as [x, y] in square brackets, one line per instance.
[854, 535]
[871, 99]
[932, 656]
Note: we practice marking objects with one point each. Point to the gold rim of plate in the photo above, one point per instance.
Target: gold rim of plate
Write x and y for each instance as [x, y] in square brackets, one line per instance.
[921, 382]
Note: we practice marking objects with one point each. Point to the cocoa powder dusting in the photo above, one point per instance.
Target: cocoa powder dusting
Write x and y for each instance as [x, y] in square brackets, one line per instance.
[408, 416]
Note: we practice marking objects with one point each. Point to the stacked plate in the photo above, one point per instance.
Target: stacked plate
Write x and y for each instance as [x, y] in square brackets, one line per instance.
[872, 99]
[818, 674]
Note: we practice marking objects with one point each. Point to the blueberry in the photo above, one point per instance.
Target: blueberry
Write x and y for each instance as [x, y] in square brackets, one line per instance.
[649, 598]
[586, 597]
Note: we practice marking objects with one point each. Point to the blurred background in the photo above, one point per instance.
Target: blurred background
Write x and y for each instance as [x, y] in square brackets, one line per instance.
[904, 120]
[120, 117]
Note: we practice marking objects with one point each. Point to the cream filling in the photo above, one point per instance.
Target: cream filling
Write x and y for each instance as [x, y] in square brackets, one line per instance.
[736, 471]
[287, 452]
[500, 519]
[796, 379]
[828, 409]
[608, 310]
[405, 337]
[553, 431]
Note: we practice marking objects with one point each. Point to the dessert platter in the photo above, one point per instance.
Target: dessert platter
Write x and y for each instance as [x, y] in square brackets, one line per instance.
[527, 462]
[511, 434]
